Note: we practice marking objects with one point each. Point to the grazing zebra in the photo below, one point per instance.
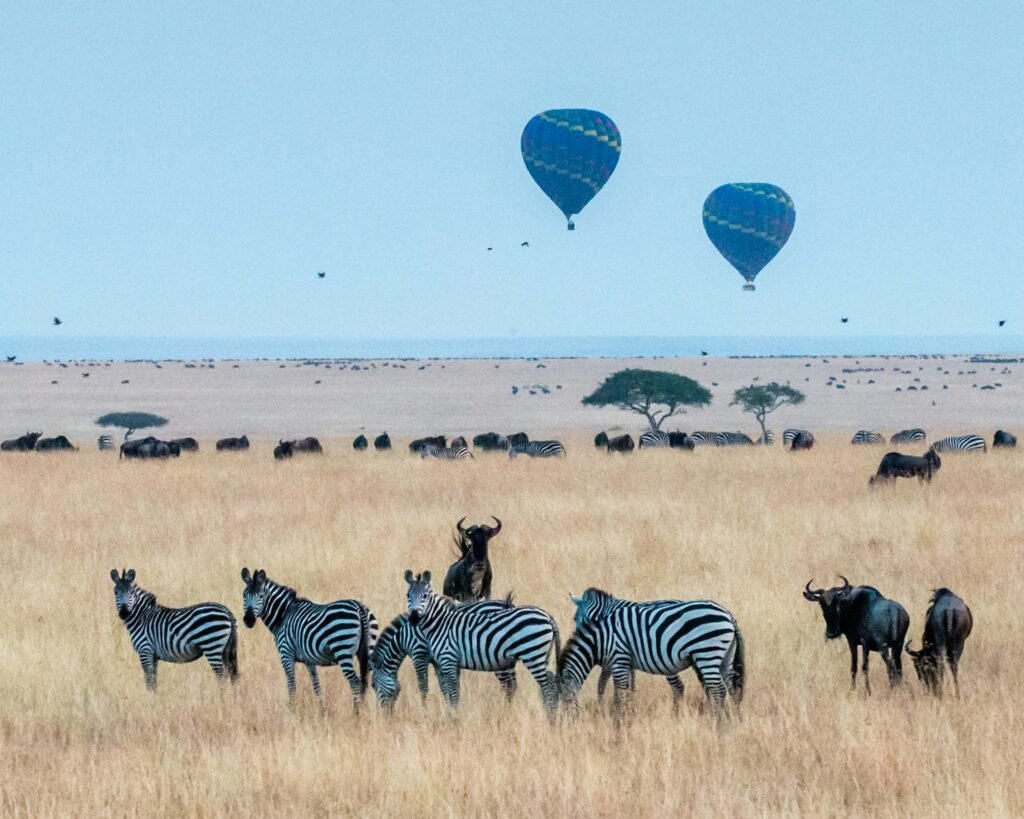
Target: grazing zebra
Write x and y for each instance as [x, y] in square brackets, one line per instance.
[732, 439]
[662, 637]
[704, 437]
[908, 436]
[537, 449]
[767, 439]
[402, 639]
[653, 439]
[312, 633]
[175, 635]
[446, 453]
[105, 442]
[866, 436]
[961, 443]
[468, 637]
[789, 434]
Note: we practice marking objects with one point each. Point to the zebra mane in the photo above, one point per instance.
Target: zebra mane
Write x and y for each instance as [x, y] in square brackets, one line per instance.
[387, 635]
[146, 598]
[579, 637]
[600, 594]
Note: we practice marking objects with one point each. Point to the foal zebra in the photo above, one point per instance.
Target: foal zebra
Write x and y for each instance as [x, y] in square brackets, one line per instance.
[908, 436]
[175, 635]
[961, 443]
[537, 449]
[866, 436]
[311, 633]
[483, 639]
[445, 453]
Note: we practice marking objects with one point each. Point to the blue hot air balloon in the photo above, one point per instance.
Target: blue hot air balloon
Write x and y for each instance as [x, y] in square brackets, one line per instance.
[749, 222]
[570, 154]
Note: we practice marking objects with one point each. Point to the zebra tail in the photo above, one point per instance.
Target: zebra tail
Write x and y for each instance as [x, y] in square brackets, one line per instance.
[367, 641]
[737, 674]
[558, 662]
[231, 652]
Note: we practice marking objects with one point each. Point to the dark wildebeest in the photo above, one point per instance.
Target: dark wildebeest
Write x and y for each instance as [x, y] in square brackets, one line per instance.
[601, 440]
[490, 442]
[866, 619]
[416, 446]
[58, 444]
[622, 443]
[133, 449]
[469, 577]
[233, 444]
[947, 624]
[518, 439]
[895, 465]
[801, 440]
[283, 449]
[680, 440]
[26, 443]
[360, 443]
[310, 446]
[382, 441]
[459, 442]
[186, 444]
[1004, 439]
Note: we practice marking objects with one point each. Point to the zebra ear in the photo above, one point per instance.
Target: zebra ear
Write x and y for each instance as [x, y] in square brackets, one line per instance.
[130, 575]
[246, 576]
[260, 576]
[578, 601]
[114, 575]
[408, 576]
[426, 576]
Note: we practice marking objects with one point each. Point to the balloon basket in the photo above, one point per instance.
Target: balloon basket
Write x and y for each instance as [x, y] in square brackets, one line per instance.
[570, 225]
[749, 286]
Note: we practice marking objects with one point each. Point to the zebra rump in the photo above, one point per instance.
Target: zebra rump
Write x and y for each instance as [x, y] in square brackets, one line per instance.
[908, 436]
[961, 443]
[866, 436]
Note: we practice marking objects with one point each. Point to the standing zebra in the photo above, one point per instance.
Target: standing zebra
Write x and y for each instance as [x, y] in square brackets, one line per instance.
[653, 439]
[175, 635]
[732, 439]
[789, 434]
[662, 637]
[961, 443]
[312, 633]
[537, 449]
[908, 436]
[105, 442]
[703, 437]
[483, 639]
[767, 439]
[456, 452]
[866, 436]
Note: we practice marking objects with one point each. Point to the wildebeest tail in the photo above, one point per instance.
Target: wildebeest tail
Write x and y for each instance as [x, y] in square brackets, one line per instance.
[367, 641]
[737, 674]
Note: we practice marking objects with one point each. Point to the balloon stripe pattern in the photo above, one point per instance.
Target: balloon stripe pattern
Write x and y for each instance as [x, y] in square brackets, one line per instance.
[749, 223]
[571, 154]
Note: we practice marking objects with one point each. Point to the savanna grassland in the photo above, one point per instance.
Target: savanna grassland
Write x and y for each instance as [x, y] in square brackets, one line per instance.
[80, 735]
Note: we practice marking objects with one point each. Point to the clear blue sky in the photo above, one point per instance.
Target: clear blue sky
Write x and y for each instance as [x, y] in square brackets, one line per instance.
[184, 169]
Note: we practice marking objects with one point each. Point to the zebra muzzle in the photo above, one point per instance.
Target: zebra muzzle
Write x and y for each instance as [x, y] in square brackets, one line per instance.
[122, 612]
[249, 619]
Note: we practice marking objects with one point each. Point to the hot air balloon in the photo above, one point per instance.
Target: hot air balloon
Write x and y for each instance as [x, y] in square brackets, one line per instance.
[570, 154]
[749, 222]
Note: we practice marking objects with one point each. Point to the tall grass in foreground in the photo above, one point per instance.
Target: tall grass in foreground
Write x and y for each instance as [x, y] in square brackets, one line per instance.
[81, 735]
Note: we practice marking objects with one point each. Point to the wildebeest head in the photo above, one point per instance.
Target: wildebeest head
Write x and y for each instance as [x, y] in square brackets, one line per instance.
[831, 602]
[125, 592]
[419, 594]
[473, 541]
[283, 449]
[926, 664]
[254, 595]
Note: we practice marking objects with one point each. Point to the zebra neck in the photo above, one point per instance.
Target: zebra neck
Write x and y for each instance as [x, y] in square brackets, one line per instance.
[438, 612]
[279, 599]
[144, 607]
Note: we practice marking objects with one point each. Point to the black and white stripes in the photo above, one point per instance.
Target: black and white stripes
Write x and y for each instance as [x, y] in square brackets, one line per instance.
[538, 449]
[866, 436]
[961, 443]
[908, 436]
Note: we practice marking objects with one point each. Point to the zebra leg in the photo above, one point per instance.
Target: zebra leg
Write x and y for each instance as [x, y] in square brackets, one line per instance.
[349, 670]
[448, 680]
[507, 680]
[622, 679]
[602, 682]
[315, 679]
[676, 685]
[288, 663]
[709, 672]
[149, 670]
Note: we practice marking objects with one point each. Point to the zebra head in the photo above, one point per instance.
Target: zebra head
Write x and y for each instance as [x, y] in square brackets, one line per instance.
[593, 605]
[420, 595]
[254, 595]
[385, 660]
[126, 593]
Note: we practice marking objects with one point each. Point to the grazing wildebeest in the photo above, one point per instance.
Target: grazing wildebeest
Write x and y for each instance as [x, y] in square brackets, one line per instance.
[233, 444]
[518, 439]
[803, 439]
[469, 577]
[894, 465]
[26, 443]
[186, 444]
[947, 624]
[1004, 439]
[55, 445]
[149, 447]
[866, 619]
[416, 446]
[601, 440]
[308, 445]
[382, 441]
[621, 443]
[283, 450]
[680, 440]
[360, 443]
[490, 442]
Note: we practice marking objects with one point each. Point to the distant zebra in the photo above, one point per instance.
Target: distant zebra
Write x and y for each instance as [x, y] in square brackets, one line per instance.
[105, 442]
[732, 439]
[464, 637]
[908, 436]
[446, 453]
[961, 443]
[175, 635]
[538, 449]
[653, 439]
[788, 435]
[704, 438]
[312, 633]
[866, 436]
[768, 439]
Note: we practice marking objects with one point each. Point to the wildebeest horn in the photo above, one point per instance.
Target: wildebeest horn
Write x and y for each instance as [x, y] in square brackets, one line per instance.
[846, 583]
[909, 651]
[812, 595]
[459, 525]
[496, 529]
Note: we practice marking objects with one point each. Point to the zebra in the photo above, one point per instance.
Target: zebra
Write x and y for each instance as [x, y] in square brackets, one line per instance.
[663, 637]
[961, 443]
[401, 639]
[537, 449]
[445, 453]
[105, 442]
[468, 637]
[175, 635]
[732, 439]
[866, 436]
[788, 435]
[653, 439]
[908, 436]
[312, 633]
[704, 437]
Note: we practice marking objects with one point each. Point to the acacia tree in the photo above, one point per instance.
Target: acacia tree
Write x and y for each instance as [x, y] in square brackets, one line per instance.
[655, 395]
[763, 399]
[131, 421]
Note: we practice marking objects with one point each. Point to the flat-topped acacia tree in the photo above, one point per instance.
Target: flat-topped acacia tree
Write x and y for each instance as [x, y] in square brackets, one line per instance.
[763, 399]
[131, 421]
[653, 394]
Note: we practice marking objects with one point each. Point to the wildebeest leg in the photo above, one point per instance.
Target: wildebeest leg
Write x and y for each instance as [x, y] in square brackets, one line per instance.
[507, 680]
[890, 665]
[314, 678]
[149, 670]
[864, 669]
[897, 662]
[953, 658]
[676, 685]
[288, 662]
[853, 662]
[348, 668]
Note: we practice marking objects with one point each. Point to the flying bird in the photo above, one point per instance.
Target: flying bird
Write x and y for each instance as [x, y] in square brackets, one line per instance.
[490, 248]
[525, 244]
[703, 352]
[321, 275]
[85, 375]
[11, 357]
[57, 322]
[1002, 322]
[844, 319]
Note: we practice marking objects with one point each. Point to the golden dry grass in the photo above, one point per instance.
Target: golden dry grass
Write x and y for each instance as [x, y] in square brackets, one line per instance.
[82, 736]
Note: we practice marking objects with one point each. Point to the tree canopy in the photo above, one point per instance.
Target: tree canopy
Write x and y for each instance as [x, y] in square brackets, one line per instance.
[655, 395]
[131, 420]
[763, 399]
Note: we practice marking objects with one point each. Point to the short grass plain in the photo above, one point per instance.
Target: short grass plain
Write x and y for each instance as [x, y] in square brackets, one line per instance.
[82, 736]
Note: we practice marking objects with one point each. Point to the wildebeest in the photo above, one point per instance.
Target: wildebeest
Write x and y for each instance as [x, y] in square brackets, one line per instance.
[149, 447]
[947, 625]
[233, 444]
[416, 446]
[360, 443]
[621, 443]
[382, 441]
[459, 442]
[866, 619]
[680, 440]
[518, 439]
[60, 443]
[25, 443]
[308, 445]
[803, 439]
[490, 442]
[283, 450]
[895, 465]
[1004, 439]
[469, 577]
[186, 444]
[601, 440]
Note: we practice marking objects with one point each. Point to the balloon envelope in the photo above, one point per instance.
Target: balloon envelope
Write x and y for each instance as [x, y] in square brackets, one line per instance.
[571, 153]
[749, 222]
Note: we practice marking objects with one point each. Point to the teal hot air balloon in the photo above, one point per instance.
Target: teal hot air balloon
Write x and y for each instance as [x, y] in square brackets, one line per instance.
[570, 154]
[749, 222]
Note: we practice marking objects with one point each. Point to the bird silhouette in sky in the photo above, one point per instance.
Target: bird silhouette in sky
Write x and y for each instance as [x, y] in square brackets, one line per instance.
[525, 244]
[844, 319]
[703, 352]
[11, 357]
[321, 275]
[1002, 322]
[490, 248]
[57, 322]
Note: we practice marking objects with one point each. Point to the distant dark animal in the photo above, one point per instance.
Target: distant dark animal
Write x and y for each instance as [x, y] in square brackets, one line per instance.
[866, 619]
[105, 442]
[186, 444]
[11, 358]
[908, 436]
[57, 322]
[490, 442]
[416, 446]
[310, 446]
[895, 465]
[60, 443]
[621, 443]
[866, 436]
[360, 443]
[601, 440]
[283, 450]
[518, 439]
[382, 441]
[947, 625]
[538, 449]
[732, 439]
[460, 441]
[134, 448]
[1004, 440]
[802, 440]
[26, 443]
[469, 578]
[680, 440]
[233, 444]
[788, 435]
[961, 443]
